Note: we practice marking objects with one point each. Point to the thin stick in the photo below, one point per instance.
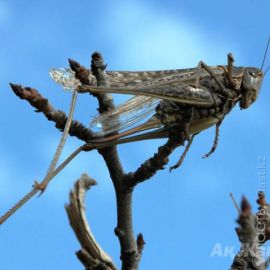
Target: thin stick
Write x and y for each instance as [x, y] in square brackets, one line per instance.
[235, 203]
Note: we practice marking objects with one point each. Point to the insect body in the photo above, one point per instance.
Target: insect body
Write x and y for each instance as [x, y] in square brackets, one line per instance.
[204, 94]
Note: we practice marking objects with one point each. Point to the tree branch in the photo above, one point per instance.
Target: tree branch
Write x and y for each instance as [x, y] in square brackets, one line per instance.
[85, 76]
[131, 248]
[130, 255]
[157, 162]
[59, 117]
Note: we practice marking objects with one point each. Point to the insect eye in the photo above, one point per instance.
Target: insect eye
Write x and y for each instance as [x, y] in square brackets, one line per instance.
[253, 74]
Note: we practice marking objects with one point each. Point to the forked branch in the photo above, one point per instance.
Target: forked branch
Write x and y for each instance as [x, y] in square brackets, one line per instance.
[91, 254]
[42, 104]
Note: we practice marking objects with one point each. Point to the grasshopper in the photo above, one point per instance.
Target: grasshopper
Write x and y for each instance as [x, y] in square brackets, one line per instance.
[195, 99]
[190, 99]
[184, 100]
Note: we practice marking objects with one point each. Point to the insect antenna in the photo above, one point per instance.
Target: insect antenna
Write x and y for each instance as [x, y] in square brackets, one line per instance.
[267, 69]
[265, 53]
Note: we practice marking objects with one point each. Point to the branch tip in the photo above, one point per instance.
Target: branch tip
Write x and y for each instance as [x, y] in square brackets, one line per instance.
[245, 206]
[74, 65]
[140, 242]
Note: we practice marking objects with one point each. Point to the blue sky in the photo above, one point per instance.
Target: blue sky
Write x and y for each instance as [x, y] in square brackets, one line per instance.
[182, 214]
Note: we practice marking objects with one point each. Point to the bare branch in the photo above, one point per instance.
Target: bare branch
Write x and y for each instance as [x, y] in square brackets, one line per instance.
[59, 117]
[129, 251]
[100, 78]
[91, 254]
[155, 163]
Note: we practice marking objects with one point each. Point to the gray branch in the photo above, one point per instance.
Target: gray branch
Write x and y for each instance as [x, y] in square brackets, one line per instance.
[130, 254]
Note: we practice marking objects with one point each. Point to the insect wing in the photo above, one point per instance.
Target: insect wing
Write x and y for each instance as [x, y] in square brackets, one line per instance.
[125, 115]
[65, 77]
[173, 91]
[147, 78]
[139, 107]
[178, 87]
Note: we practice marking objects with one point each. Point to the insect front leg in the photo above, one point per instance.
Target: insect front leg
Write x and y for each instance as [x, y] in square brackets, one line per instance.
[222, 90]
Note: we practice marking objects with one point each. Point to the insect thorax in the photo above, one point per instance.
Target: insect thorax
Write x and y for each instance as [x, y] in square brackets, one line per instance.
[170, 112]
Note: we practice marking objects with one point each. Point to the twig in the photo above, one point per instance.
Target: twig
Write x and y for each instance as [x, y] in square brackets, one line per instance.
[155, 163]
[97, 68]
[59, 117]
[124, 230]
[131, 249]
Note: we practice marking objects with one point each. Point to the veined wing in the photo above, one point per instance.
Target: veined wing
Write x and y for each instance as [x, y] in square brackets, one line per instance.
[150, 86]
[65, 77]
[125, 115]
[147, 78]
[139, 107]
[139, 78]
[186, 94]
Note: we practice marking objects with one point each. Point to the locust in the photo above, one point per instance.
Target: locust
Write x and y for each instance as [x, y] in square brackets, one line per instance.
[193, 99]
[184, 100]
